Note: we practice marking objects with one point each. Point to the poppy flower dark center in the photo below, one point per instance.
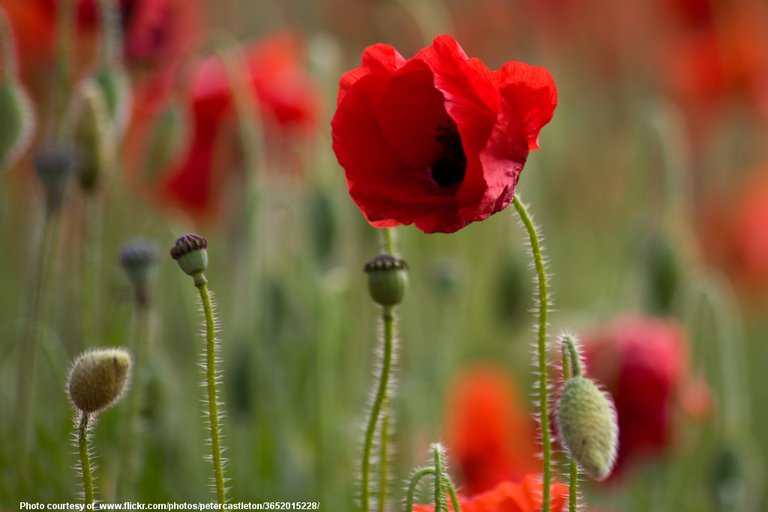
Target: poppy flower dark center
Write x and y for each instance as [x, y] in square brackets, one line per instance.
[449, 168]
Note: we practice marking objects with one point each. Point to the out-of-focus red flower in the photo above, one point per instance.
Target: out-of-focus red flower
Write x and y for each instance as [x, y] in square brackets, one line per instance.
[282, 89]
[643, 363]
[438, 140]
[154, 31]
[509, 496]
[735, 234]
[490, 435]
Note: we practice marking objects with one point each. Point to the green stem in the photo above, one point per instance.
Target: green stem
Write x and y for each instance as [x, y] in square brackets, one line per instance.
[38, 313]
[131, 449]
[91, 266]
[438, 485]
[66, 17]
[541, 347]
[388, 241]
[111, 45]
[384, 455]
[9, 49]
[85, 458]
[571, 360]
[416, 478]
[388, 318]
[213, 404]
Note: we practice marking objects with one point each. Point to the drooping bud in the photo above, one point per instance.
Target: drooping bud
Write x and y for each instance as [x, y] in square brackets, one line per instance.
[387, 279]
[18, 122]
[93, 135]
[139, 260]
[98, 378]
[190, 253]
[586, 421]
[54, 165]
[115, 86]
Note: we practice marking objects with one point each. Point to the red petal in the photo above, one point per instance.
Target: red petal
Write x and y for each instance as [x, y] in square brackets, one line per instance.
[379, 59]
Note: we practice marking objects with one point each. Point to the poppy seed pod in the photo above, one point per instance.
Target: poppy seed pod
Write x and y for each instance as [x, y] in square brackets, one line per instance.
[190, 252]
[18, 122]
[98, 378]
[586, 420]
[387, 279]
[139, 260]
[54, 165]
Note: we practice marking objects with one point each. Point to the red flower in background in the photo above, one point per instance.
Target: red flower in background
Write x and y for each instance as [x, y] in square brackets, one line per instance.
[438, 140]
[644, 365]
[154, 31]
[282, 89]
[520, 496]
[735, 234]
[490, 435]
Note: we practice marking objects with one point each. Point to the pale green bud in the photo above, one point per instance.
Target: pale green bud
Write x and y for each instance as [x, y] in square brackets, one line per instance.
[98, 378]
[586, 421]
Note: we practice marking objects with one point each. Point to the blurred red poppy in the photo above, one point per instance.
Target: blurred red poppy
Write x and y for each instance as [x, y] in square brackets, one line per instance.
[438, 140]
[154, 31]
[490, 435]
[282, 89]
[735, 235]
[509, 496]
[643, 363]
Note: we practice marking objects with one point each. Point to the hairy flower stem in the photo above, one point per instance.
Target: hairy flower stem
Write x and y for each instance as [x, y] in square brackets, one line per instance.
[571, 367]
[213, 404]
[416, 478]
[85, 459]
[388, 319]
[384, 454]
[541, 348]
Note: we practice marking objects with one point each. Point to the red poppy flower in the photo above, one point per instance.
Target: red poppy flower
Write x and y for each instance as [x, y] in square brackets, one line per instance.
[643, 363]
[154, 31]
[280, 85]
[509, 496]
[735, 234]
[490, 435]
[438, 140]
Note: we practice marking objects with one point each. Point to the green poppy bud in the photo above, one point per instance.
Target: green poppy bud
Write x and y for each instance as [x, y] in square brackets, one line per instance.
[387, 279]
[190, 253]
[54, 165]
[98, 378]
[664, 269]
[18, 122]
[166, 137]
[586, 420]
[93, 135]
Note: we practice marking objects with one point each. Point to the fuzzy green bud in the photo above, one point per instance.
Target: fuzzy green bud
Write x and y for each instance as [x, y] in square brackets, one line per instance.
[18, 122]
[98, 378]
[54, 165]
[93, 135]
[190, 253]
[586, 420]
[387, 279]
[139, 260]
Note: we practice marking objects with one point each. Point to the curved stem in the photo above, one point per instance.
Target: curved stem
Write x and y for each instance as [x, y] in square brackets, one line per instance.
[571, 361]
[541, 347]
[387, 318]
[85, 459]
[213, 404]
[416, 478]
